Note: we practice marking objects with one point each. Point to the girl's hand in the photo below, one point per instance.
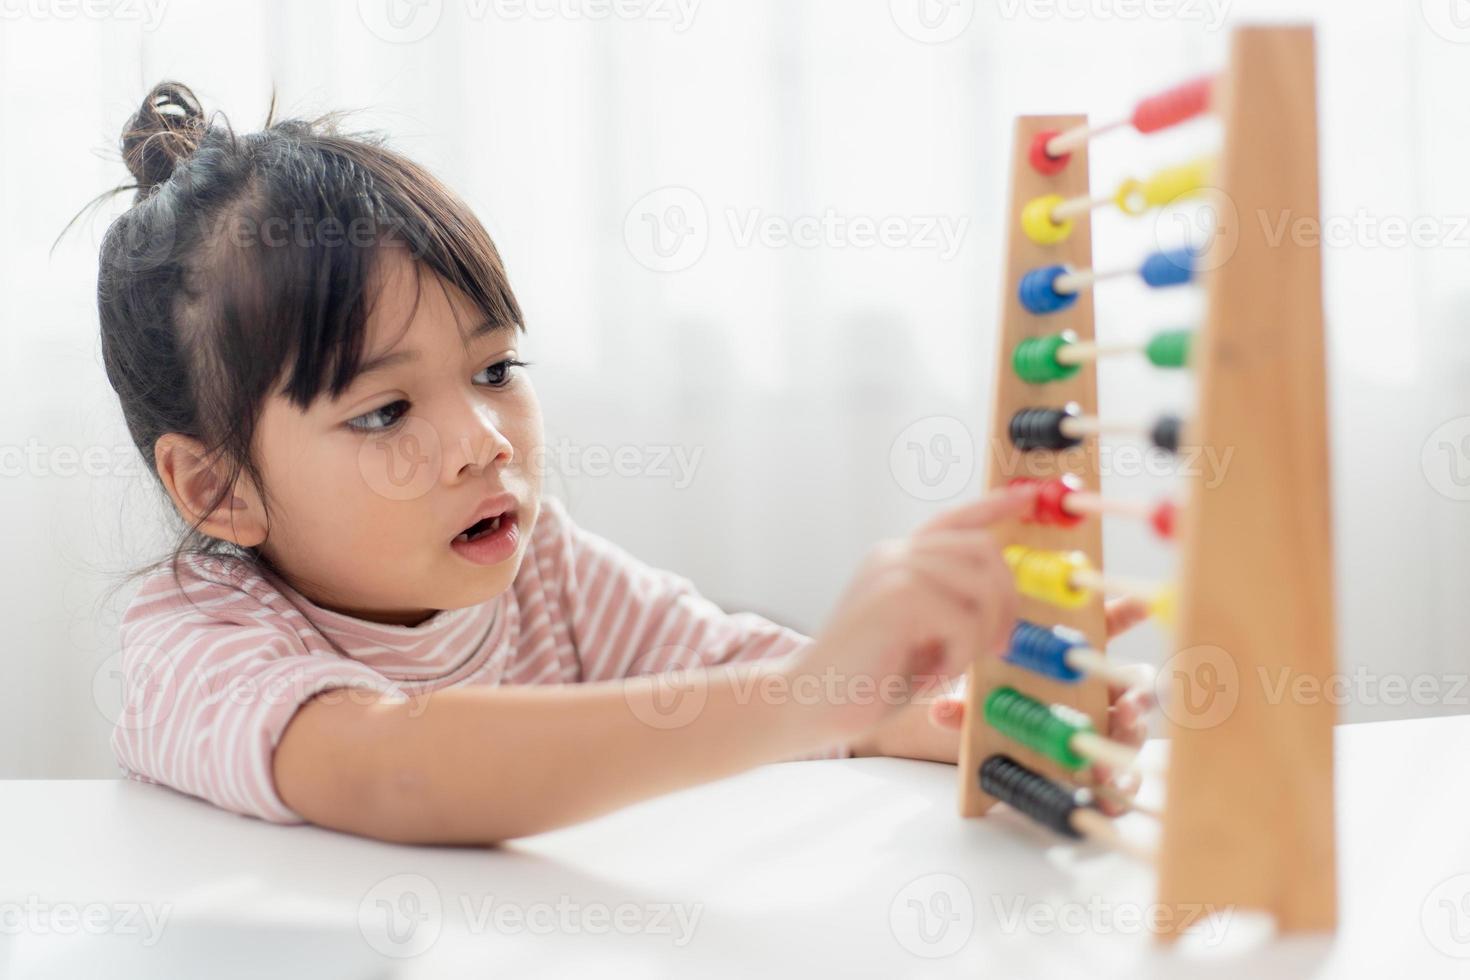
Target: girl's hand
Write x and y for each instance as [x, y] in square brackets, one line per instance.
[916, 614]
[929, 730]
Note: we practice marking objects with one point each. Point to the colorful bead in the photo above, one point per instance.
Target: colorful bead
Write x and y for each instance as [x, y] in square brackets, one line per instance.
[1041, 428]
[1043, 162]
[1044, 651]
[1035, 358]
[1170, 348]
[1164, 606]
[1048, 575]
[1173, 267]
[1051, 496]
[1038, 293]
[1030, 793]
[1173, 106]
[1051, 503]
[1164, 187]
[1166, 432]
[1163, 518]
[1044, 729]
[1038, 224]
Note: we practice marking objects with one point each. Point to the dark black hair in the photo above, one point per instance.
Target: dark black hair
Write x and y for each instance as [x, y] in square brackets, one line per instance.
[245, 265]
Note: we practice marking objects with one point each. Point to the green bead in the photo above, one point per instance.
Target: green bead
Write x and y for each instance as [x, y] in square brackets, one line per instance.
[1046, 729]
[1170, 348]
[1035, 359]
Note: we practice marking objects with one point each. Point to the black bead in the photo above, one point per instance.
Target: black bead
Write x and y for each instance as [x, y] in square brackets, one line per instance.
[1166, 432]
[1041, 428]
[1029, 792]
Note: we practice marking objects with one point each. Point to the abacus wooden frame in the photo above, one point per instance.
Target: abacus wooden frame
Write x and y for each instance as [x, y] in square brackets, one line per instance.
[1249, 818]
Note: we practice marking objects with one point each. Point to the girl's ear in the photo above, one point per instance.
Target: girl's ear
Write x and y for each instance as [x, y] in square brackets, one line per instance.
[193, 482]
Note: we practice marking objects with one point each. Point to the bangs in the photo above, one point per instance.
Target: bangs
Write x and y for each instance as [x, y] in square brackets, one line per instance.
[287, 283]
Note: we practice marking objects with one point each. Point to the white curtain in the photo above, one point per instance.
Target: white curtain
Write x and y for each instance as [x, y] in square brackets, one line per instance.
[690, 204]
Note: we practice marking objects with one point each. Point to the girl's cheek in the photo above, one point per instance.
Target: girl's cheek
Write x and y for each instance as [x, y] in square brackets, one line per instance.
[403, 464]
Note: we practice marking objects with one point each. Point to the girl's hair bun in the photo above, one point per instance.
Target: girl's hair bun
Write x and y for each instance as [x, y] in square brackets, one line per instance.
[166, 129]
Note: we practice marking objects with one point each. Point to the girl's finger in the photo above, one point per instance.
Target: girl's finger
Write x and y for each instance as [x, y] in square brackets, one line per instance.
[1125, 711]
[947, 633]
[1142, 692]
[985, 590]
[1126, 723]
[1125, 785]
[948, 713]
[1129, 734]
[1132, 706]
[994, 507]
[1124, 614]
[954, 576]
[972, 544]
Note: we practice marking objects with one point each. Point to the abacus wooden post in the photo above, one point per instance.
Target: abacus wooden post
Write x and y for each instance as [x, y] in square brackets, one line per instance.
[1249, 806]
[979, 740]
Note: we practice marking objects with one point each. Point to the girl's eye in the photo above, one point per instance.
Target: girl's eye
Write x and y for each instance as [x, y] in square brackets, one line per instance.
[498, 375]
[380, 419]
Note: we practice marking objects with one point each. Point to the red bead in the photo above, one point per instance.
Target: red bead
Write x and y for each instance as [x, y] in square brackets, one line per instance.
[1044, 162]
[1174, 106]
[1049, 509]
[1049, 497]
[1162, 519]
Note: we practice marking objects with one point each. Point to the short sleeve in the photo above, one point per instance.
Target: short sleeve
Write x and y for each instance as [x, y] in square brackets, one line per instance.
[206, 702]
[628, 618]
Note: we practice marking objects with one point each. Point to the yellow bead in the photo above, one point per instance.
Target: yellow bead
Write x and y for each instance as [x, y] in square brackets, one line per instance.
[1164, 605]
[1047, 575]
[1130, 199]
[1037, 223]
[1163, 188]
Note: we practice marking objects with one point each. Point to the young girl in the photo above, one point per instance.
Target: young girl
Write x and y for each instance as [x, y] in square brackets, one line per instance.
[374, 621]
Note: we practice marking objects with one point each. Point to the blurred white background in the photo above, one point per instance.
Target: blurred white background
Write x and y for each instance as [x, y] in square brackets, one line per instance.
[621, 154]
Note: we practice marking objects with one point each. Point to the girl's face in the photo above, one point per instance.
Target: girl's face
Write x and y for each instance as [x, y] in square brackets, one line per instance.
[369, 490]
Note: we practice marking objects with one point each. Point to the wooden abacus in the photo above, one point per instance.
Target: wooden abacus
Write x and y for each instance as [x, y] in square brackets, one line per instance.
[1248, 815]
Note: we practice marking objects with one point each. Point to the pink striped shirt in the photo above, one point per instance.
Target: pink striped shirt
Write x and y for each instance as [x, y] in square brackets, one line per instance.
[213, 673]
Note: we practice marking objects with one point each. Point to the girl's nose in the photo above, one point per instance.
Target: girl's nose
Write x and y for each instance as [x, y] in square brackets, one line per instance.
[474, 440]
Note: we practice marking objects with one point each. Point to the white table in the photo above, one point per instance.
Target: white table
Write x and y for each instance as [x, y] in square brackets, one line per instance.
[816, 868]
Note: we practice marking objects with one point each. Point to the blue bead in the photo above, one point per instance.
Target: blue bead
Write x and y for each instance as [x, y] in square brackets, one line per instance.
[1170, 268]
[1037, 293]
[1044, 651]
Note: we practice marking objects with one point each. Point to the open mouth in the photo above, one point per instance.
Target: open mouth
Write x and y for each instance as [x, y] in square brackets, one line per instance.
[482, 527]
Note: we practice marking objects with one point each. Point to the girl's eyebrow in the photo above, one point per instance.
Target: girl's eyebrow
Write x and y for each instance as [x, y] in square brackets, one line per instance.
[383, 361]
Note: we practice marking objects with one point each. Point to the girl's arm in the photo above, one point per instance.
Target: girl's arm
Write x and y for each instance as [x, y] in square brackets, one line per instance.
[626, 618]
[480, 765]
[476, 765]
